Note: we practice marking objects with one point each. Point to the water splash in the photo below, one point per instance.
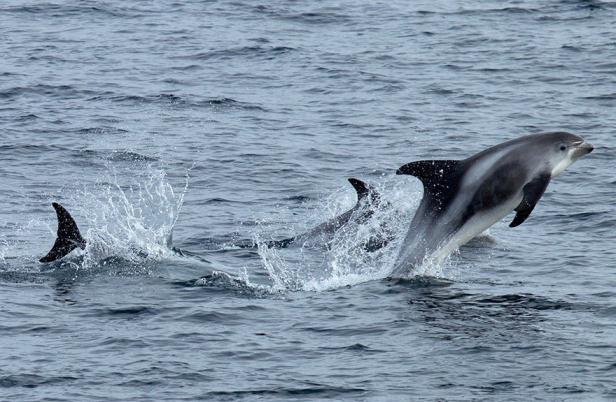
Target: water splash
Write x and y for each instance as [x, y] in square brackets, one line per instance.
[344, 259]
[4, 246]
[239, 284]
[128, 216]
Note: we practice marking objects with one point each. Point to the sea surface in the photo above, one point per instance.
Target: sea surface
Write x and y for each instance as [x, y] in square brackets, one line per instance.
[231, 123]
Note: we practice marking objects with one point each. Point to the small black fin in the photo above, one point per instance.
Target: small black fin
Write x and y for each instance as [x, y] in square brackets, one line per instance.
[533, 191]
[439, 177]
[362, 188]
[68, 238]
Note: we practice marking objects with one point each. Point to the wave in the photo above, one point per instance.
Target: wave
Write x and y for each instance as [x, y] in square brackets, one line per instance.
[265, 52]
[54, 10]
[173, 100]
[33, 380]
[313, 391]
[59, 91]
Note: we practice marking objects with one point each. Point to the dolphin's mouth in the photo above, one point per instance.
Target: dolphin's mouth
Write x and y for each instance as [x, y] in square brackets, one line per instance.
[586, 147]
[582, 148]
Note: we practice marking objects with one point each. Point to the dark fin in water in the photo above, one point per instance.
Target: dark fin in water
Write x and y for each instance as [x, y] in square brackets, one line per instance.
[362, 188]
[69, 237]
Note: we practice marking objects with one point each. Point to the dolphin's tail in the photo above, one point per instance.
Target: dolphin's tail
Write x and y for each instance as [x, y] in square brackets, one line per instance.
[68, 238]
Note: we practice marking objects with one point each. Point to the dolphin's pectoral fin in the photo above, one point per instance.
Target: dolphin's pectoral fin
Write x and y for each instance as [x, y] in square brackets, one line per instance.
[68, 238]
[533, 191]
[439, 177]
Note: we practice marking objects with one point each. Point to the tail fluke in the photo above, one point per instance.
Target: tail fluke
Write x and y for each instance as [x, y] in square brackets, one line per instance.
[68, 238]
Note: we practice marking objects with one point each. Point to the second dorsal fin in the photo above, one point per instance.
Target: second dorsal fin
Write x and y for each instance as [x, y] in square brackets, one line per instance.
[439, 177]
[362, 188]
[365, 190]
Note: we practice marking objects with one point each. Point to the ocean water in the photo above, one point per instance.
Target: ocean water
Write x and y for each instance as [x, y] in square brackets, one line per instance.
[224, 123]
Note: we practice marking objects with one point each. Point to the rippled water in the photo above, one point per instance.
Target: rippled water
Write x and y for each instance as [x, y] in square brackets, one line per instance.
[233, 122]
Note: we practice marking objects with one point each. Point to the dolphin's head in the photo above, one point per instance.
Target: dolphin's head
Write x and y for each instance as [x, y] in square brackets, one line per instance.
[562, 149]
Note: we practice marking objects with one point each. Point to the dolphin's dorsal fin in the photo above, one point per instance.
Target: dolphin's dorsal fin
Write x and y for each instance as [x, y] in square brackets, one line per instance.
[68, 236]
[439, 177]
[362, 188]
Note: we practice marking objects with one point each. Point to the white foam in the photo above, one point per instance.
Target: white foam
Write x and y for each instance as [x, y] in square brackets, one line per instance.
[130, 218]
[346, 262]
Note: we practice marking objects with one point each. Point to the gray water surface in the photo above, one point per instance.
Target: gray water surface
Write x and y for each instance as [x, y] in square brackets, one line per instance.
[228, 123]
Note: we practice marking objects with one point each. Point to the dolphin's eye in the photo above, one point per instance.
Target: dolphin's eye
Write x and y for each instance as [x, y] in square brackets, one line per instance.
[563, 147]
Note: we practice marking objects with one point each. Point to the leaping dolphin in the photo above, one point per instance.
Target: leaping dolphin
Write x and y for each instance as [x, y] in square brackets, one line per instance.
[463, 198]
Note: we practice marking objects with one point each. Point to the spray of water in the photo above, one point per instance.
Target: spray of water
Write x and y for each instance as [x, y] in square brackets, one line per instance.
[4, 246]
[128, 216]
[345, 258]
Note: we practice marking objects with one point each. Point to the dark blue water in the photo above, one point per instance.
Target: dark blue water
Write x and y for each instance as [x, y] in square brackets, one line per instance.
[232, 122]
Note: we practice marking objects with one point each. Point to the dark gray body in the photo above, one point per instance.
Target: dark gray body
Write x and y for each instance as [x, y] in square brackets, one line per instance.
[463, 198]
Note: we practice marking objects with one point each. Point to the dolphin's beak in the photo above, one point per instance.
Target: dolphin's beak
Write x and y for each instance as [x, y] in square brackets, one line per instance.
[583, 149]
[586, 147]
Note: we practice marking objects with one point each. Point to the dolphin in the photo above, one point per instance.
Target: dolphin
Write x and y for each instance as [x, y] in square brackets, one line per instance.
[463, 198]
[365, 194]
[68, 237]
